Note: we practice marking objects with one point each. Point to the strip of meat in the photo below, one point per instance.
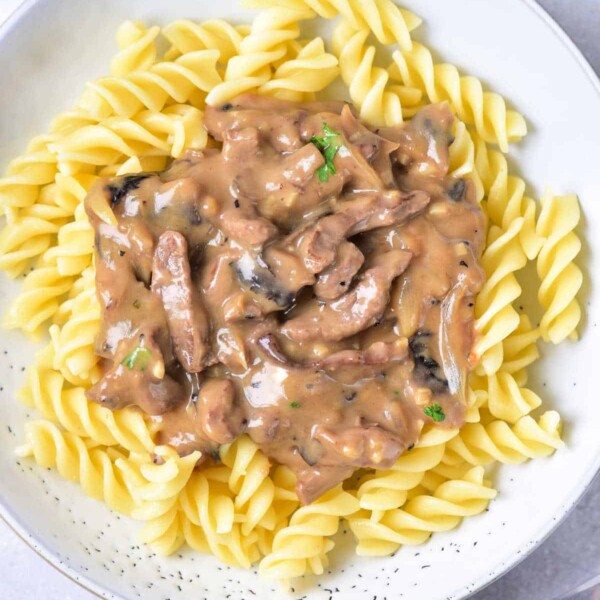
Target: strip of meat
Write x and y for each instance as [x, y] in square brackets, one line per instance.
[248, 230]
[220, 418]
[336, 279]
[138, 377]
[318, 243]
[187, 320]
[121, 387]
[356, 310]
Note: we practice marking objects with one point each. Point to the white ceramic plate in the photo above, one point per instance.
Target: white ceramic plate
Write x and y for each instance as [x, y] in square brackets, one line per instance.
[51, 47]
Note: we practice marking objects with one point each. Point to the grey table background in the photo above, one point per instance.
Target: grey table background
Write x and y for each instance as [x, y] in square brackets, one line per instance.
[570, 556]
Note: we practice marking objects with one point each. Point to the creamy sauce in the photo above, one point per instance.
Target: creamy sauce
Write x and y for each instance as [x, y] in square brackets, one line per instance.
[319, 301]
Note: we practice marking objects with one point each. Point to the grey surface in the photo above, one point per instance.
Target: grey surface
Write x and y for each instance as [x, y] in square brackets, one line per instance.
[568, 558]
[571, 555]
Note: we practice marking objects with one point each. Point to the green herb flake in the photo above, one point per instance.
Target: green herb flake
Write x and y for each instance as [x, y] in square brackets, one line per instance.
[139, 358]
[294, 404]
[435, 411]
[136, 303]
[397, 393]
[328, 145]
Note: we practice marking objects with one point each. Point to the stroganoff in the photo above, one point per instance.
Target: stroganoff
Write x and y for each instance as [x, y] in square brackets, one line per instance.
[309, 283]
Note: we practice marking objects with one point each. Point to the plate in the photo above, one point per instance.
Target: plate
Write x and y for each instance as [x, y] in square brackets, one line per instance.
[51, 47]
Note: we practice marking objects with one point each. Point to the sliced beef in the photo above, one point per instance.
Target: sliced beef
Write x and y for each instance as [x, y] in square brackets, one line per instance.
[188, 322]
[337, 278]
[219, 415]
[356, 310]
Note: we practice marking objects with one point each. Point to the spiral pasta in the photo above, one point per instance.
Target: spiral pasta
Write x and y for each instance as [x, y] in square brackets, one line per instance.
[389, 23]
[167, 81]
[26, 174]
[495, 316]
[378, 102]
[505, 194]
[39, 300]
[265, 45]
[423, 515]
[186, 36]
[560, 277]
[485, 110]
[297, 79]
[482, 444]
[137, 48]
[387, 489]
[302, 546]
[89, 464]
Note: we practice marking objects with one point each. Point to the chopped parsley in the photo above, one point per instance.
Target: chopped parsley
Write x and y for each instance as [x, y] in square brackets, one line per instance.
[328, 145]
[137, 358]
[295, 404]
[136, 303]
[435, 411]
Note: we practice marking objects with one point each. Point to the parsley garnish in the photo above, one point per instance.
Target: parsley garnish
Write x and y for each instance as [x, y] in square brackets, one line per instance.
[137, 359]
[328, 145]
[136, 303]
[295, 404]
[435, 411]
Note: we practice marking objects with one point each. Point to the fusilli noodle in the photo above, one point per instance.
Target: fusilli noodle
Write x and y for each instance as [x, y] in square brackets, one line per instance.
[560, 277]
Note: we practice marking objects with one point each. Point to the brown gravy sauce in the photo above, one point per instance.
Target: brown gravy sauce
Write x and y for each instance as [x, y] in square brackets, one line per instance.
[326, 311]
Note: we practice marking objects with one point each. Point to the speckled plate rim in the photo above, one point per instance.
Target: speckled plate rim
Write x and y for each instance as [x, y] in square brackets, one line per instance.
[495, 572]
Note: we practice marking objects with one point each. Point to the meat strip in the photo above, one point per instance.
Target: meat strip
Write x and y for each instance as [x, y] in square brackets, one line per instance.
[187, 320]
[356, 310]
[337, 278]
[220, 418]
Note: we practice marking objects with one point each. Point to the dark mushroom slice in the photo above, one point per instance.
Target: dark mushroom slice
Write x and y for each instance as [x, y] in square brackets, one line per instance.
[253, 273]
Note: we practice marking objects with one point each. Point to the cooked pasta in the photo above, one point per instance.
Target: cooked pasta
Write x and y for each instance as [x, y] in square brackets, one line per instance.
[442, 82]
[378, 103]
[423, 515]
[560, 277]
[147, 111]
[87, 463]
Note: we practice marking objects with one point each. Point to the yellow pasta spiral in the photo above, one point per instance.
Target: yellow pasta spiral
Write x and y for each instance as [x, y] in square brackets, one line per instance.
[482, 444]
[310, 71]
[249, 482]
[211, 522]
[39, 299]
[75, 247]
[74, 342]
[167, 81]
[266, 44]
[389, 23]
[378, 103]
[27, 173]
[156, 488]
[137, 49]
[91, 466]
[506, 398]
[560, 277]
[506, 200]
[30, 234]
[302, 546]
[186, 36]
[487, 111]
[423, 515]
[387, 489]
[495, 316]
